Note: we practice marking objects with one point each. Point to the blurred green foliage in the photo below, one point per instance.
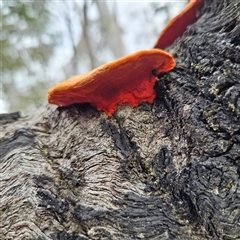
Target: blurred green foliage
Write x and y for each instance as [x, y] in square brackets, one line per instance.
[44, 42]
[26, 47]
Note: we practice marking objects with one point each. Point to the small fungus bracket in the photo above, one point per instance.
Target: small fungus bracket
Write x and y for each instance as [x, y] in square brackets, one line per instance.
[124, 81]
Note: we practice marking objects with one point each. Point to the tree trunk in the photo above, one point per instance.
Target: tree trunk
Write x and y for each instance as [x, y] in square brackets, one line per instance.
[170, 170]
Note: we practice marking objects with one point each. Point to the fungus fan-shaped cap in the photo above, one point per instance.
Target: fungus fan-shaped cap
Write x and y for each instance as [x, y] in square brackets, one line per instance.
[127, 80]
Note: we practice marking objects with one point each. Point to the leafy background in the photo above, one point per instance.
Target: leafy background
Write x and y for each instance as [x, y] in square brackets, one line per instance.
[45, 42]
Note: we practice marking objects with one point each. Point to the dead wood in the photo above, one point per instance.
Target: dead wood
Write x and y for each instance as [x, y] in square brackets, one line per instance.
[170, 170]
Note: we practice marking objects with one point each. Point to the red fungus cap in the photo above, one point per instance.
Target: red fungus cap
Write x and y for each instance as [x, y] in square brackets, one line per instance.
[127, 80]
[178, 25]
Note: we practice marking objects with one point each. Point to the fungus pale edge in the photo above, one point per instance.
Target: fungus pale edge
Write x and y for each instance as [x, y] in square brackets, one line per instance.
[178, 25]
[128, 80]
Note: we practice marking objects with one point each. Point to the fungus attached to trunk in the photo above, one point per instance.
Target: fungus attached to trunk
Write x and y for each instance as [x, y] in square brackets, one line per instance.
[178, 25]
[128, 80]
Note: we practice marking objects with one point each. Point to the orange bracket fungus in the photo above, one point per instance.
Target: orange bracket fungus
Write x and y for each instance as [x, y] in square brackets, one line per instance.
[178, 25]
[128, 80]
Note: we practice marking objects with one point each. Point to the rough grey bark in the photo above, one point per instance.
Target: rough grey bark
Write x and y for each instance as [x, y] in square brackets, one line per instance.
[164, 171]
